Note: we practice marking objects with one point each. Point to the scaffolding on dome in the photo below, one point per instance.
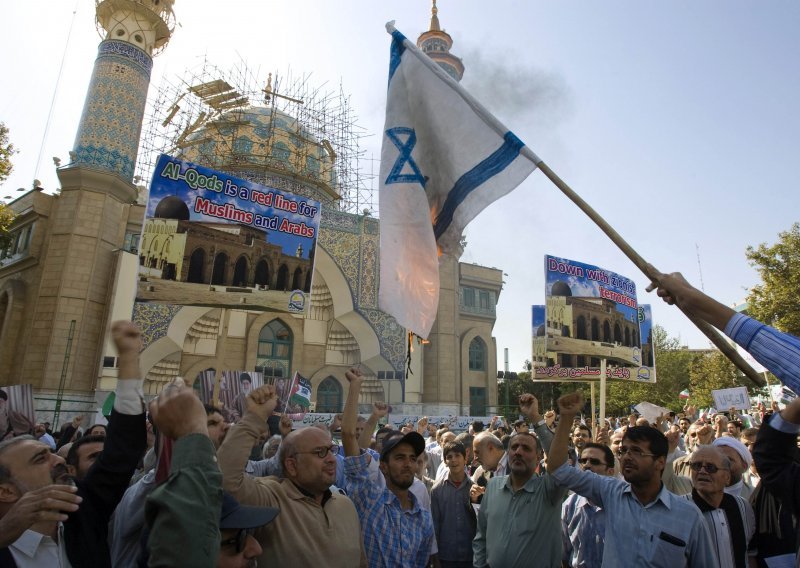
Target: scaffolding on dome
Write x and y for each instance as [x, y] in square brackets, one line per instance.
[309, 146]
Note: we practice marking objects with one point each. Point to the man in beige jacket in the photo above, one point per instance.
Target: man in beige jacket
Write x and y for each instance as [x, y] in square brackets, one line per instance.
[314, 527]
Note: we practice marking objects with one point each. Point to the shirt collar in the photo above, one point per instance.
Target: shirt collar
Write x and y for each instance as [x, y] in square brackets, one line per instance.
[390, 498]
[664, 496]
[29, 543]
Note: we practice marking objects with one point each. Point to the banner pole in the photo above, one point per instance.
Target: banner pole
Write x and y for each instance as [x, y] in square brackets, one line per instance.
[710, 331]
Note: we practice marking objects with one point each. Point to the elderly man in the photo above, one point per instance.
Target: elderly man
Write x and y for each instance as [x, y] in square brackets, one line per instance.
[652, 527]
[315, 527]
[518, 520]
[583, 524]
[730, 519]
[741, 459]
[398, 532]
[489, 453]
[32, 508]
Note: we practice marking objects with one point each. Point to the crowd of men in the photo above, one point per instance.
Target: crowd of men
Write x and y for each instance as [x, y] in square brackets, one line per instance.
[174, 484]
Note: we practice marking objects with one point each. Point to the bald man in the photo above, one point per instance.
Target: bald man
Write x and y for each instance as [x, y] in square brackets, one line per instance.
[315, 527]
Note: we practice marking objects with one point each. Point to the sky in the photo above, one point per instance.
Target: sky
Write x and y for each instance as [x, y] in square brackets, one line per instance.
[677, 121]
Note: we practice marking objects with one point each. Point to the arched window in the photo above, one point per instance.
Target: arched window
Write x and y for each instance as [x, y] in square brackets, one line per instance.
[617, 334]
[606, 332]
[283, 278]
[580, 330]
[220, 266]
[329, 396]
[274, 356]
[240, 272]
[477, 355]
[197, 266]
[595, 330]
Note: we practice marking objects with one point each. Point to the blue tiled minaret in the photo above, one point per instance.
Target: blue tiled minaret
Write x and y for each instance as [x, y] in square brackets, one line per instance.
[108, 134]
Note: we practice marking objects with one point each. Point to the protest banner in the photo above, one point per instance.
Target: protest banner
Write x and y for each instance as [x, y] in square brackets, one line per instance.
[736, 397]
[591, 314]
[211, 239]
[17, 414]
[455, 423]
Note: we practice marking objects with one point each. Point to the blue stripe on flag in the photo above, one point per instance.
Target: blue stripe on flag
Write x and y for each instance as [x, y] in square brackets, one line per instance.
[488, 168]
[396, 52]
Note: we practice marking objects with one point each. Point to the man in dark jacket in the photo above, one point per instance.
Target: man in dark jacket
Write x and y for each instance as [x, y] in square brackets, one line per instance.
[44, 521]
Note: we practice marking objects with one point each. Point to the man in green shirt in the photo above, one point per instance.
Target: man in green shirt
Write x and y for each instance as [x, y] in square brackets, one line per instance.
[189, 508]
[519, 518]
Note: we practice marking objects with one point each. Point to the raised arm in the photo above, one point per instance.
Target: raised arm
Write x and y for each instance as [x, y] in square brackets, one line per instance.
[350, 415]
[675, 290]
[235, 450]
[529, 406]
[185, 508]
[773, 453]
[379, 410]
[569, 406]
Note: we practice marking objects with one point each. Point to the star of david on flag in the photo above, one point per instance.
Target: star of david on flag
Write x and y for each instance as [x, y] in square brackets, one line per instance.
[444, 159]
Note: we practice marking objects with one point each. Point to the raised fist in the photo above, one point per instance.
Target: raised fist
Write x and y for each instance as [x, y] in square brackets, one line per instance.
[570, 404]
[262, 401]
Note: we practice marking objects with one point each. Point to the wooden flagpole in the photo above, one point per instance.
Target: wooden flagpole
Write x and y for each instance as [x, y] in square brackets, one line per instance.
[710, 331]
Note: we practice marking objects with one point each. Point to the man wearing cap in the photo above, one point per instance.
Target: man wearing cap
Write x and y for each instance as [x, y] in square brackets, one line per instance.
[316, 527]
[398, 533]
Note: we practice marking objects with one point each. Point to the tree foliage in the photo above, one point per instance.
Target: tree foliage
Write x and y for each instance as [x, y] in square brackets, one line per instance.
[6, 215]
[672, 371]
[776, 300]
[672, 376]
[6, 219]
[712, 371]
[6, 151]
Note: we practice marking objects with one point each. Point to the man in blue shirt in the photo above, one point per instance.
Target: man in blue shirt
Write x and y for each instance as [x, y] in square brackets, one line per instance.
[583, 524]
[652, 527]
[398, 533]
[777, 351]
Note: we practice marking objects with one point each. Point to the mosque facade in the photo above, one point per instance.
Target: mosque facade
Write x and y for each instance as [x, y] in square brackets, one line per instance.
[73, 266]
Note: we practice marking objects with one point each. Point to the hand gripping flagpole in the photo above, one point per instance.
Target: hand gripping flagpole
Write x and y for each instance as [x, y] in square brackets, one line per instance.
[710, 331]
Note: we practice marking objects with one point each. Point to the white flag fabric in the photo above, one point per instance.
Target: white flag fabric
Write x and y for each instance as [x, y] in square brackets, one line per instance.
[444, 159]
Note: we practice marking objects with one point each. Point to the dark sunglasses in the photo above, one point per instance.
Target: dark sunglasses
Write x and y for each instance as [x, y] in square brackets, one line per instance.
[239, 541]
[709, 467]
[593, 461]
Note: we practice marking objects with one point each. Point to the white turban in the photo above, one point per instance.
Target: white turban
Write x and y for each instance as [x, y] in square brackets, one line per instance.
[740, 448]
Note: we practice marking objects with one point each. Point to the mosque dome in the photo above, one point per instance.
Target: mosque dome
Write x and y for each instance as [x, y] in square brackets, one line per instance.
[561, 289]
[266, 139]
[172, 207]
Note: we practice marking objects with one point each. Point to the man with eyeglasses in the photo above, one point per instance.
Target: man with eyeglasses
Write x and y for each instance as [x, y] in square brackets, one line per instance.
[729, 518]
[583, 524]
[652, 527]
[316, 527]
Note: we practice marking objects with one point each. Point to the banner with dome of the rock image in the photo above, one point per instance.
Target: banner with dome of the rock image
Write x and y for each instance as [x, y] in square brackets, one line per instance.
[590, 314]
[212, 239]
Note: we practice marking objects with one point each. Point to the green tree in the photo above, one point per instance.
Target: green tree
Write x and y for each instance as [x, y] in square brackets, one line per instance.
[776, 301]
[6, 151]
[6, 219]
[672, 376]
[712, 371]
[6, 215]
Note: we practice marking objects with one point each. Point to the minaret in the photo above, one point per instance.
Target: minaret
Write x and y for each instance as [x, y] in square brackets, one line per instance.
[437, 43]
[108, 134]
[96, 212]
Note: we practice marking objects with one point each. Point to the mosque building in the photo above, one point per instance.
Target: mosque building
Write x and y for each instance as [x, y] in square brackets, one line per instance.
[73, 266]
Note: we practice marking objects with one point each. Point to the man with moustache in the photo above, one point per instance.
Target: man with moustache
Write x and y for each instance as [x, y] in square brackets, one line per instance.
[652, 527]
[315, 527]
[46, 523]
[518, 520]
[730, 519]
[398, 533]
[583, 524]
